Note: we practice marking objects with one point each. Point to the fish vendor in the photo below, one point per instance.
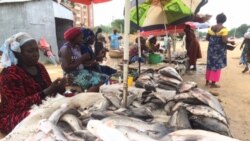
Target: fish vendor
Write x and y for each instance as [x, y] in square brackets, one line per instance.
[24, 82]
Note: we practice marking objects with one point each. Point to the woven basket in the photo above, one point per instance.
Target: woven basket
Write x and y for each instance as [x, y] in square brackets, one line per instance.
[115, 54]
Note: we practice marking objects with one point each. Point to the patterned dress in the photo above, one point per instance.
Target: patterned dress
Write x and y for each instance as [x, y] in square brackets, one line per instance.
[19, 91]
[83, 77]
[216, 54]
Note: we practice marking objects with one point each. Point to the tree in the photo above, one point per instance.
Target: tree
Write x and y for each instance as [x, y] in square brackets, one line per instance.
[239, 31]
[119, 25]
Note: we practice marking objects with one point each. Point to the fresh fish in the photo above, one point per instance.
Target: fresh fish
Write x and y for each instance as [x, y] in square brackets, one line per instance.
[179, 120]
[187, 86]
[208, 99]
[206, 111]
[137, 104]
[113, 98]
[154, 130]
[187, 98]
[28, 127]
[170, 72]
[167, 87]
[168, 107]
[85, 134]
[164, 96]
[73, 121]
[134, 134]
[195, 135]
[209, 124]
[130, 99]
[99, 115]
[167, 80]
[201, 110]
[105, 131]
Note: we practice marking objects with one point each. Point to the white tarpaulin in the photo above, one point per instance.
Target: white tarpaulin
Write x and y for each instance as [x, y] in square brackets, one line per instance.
[13, 1]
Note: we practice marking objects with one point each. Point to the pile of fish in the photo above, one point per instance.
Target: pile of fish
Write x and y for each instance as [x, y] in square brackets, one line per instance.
[181, 113]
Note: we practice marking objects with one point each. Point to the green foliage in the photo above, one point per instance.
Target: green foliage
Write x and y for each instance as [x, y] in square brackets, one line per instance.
[239, 31]
[119, 25]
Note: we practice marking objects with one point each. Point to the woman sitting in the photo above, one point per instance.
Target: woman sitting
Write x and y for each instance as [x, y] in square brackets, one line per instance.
[24, 82]
[75, 63]
[86, 47]
[133, 52]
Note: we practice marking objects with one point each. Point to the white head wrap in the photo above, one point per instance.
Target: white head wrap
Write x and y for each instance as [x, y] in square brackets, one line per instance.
[247, 34]
[11, 45]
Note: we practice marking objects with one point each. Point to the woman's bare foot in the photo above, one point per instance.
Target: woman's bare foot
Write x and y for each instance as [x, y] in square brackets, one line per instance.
[245, 70]
[213, 85]
[207, 83]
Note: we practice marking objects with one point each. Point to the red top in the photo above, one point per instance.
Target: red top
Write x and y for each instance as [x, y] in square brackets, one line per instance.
[18, 92]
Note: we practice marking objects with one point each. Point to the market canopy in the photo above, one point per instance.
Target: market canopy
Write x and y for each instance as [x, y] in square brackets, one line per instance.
[157, 14]
[88, 2]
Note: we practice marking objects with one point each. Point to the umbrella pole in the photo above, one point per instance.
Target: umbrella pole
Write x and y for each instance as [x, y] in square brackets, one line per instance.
[139, 39]
[126, 52]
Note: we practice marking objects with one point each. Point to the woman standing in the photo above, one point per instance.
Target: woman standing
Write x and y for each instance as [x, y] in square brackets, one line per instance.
[246, 44]
[217, 51]
[192, 47]
[24, 82]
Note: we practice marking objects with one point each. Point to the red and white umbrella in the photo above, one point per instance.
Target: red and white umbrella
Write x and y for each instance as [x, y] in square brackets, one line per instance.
[88, 2]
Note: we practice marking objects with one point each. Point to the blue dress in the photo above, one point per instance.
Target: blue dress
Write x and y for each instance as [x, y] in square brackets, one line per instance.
[217, 50]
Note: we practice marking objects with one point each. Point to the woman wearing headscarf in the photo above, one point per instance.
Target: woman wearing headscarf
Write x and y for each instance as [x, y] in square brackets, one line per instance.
[217, 51]
[24, 82]
[86, 47]
[74, 62]
[246, 45]
[192, 47]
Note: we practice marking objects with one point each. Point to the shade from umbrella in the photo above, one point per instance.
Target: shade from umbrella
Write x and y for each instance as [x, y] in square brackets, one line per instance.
[88, 2]
[170, 30]
[156, 14]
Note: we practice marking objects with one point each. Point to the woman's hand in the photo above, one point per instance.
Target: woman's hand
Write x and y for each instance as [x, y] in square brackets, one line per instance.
[58, 86]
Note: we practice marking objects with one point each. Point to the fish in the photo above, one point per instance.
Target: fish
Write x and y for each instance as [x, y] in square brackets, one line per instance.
[167, 80]
[179, 120]
[170, 72]
[209, 124]
[187, 86]
[105, 132]
[28, 127]
[134, 134]
[196, 135]
[85, 135]
[187, 98]
[114, 99]
[208, 99]
[207, 112]
[164, 96]
[168, 107]
[154, 130]
[73, 121]
[201, 110]
[167, 87]
[130, 99]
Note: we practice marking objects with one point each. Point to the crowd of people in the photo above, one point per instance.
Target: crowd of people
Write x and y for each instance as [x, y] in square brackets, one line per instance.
[25, 82]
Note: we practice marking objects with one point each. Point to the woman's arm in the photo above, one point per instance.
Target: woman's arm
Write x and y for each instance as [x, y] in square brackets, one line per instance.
[244, 41]
[67, 62]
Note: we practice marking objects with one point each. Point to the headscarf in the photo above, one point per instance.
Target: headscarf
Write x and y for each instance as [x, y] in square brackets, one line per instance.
[87, 34]
[247, 34]
[72, 33]
[13, 44]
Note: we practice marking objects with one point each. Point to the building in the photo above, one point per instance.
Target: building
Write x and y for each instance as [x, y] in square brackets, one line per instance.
[83, 13]
[39, 18]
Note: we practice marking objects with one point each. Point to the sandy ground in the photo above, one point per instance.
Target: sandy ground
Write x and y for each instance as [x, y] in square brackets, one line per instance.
[234, 93]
